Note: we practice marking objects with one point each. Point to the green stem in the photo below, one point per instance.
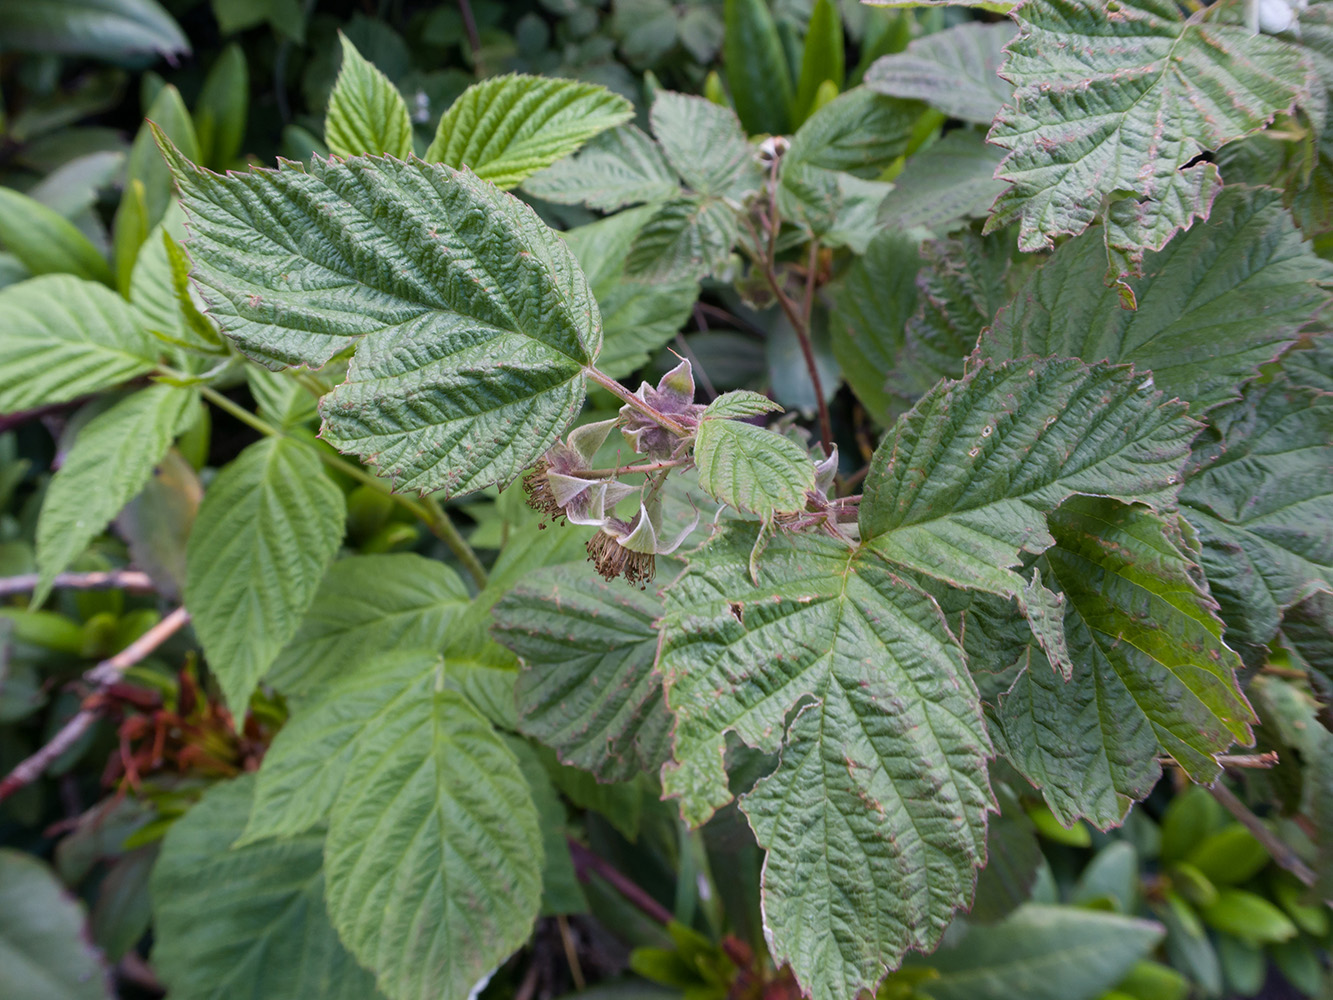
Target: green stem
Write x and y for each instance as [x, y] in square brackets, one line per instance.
[428, 510]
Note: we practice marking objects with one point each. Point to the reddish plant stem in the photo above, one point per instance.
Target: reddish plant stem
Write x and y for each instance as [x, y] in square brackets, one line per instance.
[116, 579]
[620, 392]
[587, 863]
[100, 677]
[1277, 848]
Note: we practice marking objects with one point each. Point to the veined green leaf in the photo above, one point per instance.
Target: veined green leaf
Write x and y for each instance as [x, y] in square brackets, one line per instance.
[687, 239]
[303, 769]
[589, 688]
[752, 468]
[756, 67]
[740, 403]
[103, 29]
[260, 930]
[945, 185]
[1259, 490]
[860, 133]
[63, 337]
[366, 604]
[112, 458]
[45, 242]
[509, 127]
[875, 818]
[620, 167]
[1151, 673]
[955, 70]
[705, 145]
[366, 113]
[481, 321]
[269, 525]
[434, 855]
[962, 484]
[1220, 300]
[1120, 107]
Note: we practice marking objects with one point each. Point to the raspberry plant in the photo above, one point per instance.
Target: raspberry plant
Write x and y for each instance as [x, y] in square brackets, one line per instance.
[1090, 419]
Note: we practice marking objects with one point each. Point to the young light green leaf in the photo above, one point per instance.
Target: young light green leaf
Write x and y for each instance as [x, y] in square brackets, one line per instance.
[960, 487]
[589, 688]
[618, 168]
[45, 242]
[303, 769]
[112, 458]
[875, 818]
[63, 337]
[434, 854]
[945, 185]
[739, 404]
[1259, 490]
[956, 70]
[1220, 300]
[752, 468]
[482, 321]
[364, 605]
[1123, 112]
[366, 113]
[1151, 673]
[705, 145]
[260, 930]
[509, 127]
[44, 946]
[269, 525]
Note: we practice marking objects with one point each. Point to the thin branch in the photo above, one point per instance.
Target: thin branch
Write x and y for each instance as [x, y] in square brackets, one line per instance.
[620, 392]
[571, 953]
[628, 470]
[1277, 848]
[586, 862]
[730, 318]
[473, 36]
[1258, 761]
[116, 579]
[101, 677]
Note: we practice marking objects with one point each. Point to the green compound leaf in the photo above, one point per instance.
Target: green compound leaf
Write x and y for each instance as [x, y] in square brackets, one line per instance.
[588, 689]
[1259, 490]
[481, 322]
[1117, 103]
[946, 185]
[434, 855]
[955, 70]
[752, 468]
[509, 127]
[1220, 300]
[960, 487]
[686, 239]
[113, 456]
[364, 605]
[618, 168]
[62, 337]
[366, 113]
[260, 929]
[303, 769]
[705, 145]
[875, 818]
[268, 526]
[1151, 674]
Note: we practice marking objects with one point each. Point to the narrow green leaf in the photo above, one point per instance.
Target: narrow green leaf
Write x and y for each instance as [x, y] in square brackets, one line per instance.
[1100, 111]
[509, 127]
[364, 605]
[1259, 490]
[875, 818]
[1220, 300]
[752, 468]
[112, 458]
[822, 60]
[102, 29]
[269, 525]
[434, 853]
[756, 67]
[955, 70]
[618, 168]
[246, 920]
[705, 145]
[168, 115]
[128, 232]
[62, 338]
[589, 688]
[1151, 673]
[44, 949]
[482, 321]
[45, 242]
[222, 109]
[366, 113]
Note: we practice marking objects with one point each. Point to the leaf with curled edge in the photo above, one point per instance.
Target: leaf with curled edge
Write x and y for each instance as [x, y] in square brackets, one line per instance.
[478, 324]
[1117, 99]
[875, 819]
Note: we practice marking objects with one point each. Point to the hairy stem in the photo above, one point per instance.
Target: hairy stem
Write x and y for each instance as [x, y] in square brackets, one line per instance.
[428, 511]
[116, 579]
[648, 410]
[102, 676]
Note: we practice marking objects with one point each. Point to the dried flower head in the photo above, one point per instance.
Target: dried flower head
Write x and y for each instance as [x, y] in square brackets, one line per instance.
[630, 548]
[556, 487]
